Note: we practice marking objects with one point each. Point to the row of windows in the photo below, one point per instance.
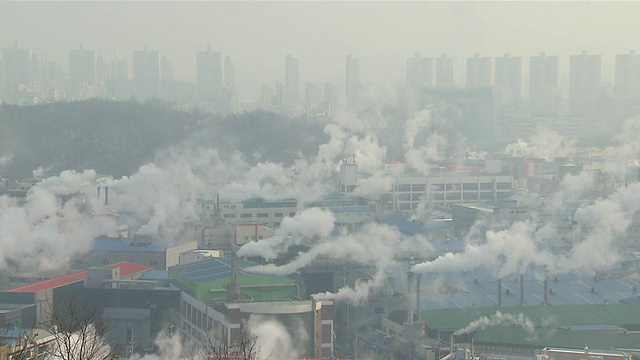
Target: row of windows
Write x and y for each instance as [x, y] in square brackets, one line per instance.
[452, 186]
[260, 215]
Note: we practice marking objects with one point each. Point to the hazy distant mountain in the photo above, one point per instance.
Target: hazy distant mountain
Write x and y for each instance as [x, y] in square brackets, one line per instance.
[117, 137]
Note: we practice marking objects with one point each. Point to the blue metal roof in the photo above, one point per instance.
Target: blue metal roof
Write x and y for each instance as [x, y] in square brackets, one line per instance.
[120, 244]
[212, 270]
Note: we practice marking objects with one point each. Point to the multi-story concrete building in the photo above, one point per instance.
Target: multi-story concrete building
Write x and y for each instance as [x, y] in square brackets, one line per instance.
[292, 81]
[82, 73]
[17, 74]
[508, 80]
[478, 71]
[209, 305]
[627, 77]
[146, 73]
[209, 74]
[543, 84]
[584, 83]
[141, 250]
[410, 192]
[444, 71]
[352, 80]
[419, 71]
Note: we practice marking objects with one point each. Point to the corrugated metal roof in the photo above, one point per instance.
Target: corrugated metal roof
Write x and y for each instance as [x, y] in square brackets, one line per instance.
[126, 268]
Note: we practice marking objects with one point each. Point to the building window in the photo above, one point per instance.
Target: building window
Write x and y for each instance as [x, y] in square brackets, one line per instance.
[104, 262]
[260, 237]
[229, 216]
[263, 215]
[246, 238]
[245, 215]
[279, 215]
[153, 263]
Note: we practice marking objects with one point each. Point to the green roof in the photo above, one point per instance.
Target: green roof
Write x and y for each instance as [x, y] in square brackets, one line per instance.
[558, 315]
[551, 325]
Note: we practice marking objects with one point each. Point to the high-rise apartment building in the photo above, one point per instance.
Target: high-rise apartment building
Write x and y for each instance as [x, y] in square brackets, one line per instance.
[444, 71]
[146, 73]
[543, 84]
[118, 84]
[627, 80]
[209, 74]
[17, 73]
[292, 81]
[419, 71]
[352, 80]
[478, 71]
[508, 80]
[584, 83]
[82, 72]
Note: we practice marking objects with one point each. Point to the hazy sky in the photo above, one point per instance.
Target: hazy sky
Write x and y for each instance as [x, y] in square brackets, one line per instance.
[258, 35]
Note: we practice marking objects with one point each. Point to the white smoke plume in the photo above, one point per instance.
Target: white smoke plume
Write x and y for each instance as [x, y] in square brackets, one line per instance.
[423, 156]
[40, 171]
[378, 183]
[374, 245]
[368, 153]
[498, 319]
[306, 224]
[169, 346]
[544, 143]
[6, 159]
[273, 339]
[164, 197]
[57, 222]
[359, 293]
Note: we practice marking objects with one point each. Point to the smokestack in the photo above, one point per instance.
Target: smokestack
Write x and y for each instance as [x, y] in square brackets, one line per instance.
[233, 291]
[410, 297]
[500, 292]
[521, 289]
[546, 290]
[418, 307]
[106, 196]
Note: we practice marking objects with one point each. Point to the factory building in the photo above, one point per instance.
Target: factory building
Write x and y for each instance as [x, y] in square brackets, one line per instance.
[218, 297]
[141, 250]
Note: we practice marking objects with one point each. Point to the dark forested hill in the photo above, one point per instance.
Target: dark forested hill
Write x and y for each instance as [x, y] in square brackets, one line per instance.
[117, 137]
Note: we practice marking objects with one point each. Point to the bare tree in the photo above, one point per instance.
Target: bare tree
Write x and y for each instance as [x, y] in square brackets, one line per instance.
[78, 331]
[242, 346]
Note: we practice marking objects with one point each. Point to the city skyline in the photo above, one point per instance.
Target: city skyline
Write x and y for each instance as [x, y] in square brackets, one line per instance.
[382, 40]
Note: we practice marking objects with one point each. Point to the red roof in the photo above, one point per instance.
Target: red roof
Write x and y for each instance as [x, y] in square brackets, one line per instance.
[126, 268]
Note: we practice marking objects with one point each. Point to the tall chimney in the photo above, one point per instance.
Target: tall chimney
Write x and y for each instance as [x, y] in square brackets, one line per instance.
[418, 306]
[521, 289]
[500, 292]
[546, 290]
[106, 195]
[410, 297]
[233, 293]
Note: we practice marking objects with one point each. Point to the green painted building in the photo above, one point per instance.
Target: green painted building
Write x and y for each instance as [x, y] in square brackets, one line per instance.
[210, 280]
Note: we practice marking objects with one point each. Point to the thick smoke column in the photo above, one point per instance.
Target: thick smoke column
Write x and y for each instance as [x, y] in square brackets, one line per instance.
[498, 319]
[422, 157]
[273, 339]
[310, 179]
[306, 224]
[544, 143]
[165, 196]
[5, 159]
[58, 221]
[375, 244]
[506, 251]
[360, 292]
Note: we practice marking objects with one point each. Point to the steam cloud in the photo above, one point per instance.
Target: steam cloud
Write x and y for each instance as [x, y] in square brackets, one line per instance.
[498, 319]
[306, 224]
